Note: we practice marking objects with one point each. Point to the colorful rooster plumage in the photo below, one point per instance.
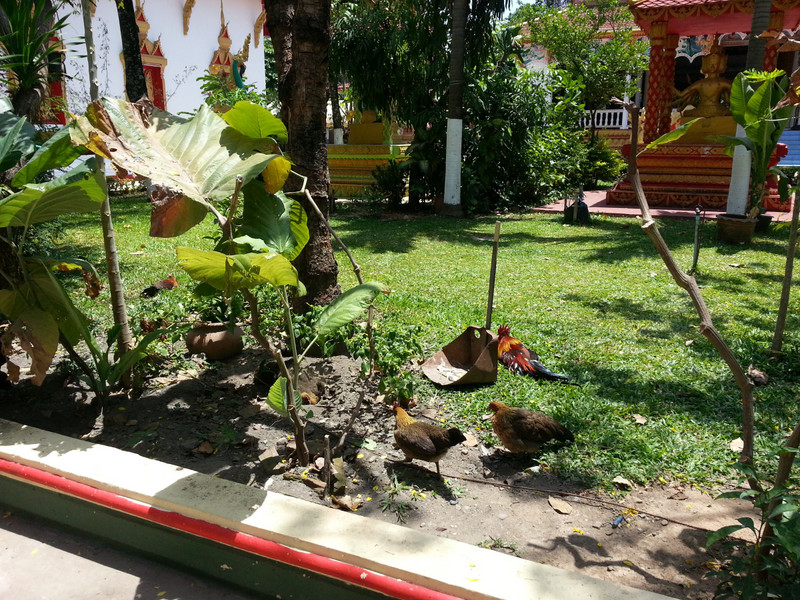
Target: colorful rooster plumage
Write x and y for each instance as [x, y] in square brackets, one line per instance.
[519, 359]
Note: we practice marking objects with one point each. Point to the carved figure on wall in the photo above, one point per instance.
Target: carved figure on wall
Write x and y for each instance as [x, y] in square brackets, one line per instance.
[709, 96]
[222, 59]
[258, 28]
[187, 15]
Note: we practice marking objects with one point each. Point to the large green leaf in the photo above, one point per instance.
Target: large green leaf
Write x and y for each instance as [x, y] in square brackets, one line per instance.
[255, 121]
[16, 140]
[229, 273]
[670, 136]
[278, 397]
[56, 152]
[740, 94]
[347, 307]
[190, 163]
[272, 222]
[83, 189]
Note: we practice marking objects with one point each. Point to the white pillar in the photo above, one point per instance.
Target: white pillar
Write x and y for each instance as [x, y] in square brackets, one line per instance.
[452, 177]
[740, 178]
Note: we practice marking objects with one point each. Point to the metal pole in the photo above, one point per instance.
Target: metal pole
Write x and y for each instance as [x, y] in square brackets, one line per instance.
[697, 210]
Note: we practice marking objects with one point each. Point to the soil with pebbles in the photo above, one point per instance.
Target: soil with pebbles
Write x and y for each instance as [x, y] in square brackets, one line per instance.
[213, 419]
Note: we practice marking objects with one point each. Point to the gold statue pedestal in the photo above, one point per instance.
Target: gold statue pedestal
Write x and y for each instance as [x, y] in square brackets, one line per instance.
[704, 130]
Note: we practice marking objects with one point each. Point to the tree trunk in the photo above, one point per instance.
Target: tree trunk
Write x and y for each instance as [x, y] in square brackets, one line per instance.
[452, 178]
[280, 14]
[783, 306]
[118, 307]
[135, 83]
[757, 47]
[336, 109]
[301, 37]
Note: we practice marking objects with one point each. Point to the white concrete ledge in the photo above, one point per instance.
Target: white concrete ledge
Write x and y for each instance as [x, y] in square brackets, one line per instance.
[437, 563]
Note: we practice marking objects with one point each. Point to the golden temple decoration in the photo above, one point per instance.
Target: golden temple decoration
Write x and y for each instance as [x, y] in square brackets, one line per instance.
[258, 28]
[187, 15]
[710, 95]
[222, 59]
[654, 10]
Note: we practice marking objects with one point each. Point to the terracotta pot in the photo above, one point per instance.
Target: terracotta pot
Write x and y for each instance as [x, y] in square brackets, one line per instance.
[735, 229]
[215, 340]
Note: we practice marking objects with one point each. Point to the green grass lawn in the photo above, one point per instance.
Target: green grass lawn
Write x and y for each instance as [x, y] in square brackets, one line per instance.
[595, 302]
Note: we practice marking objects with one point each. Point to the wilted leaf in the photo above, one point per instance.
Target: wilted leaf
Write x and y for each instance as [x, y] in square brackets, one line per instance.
[346, 503]
[737, 445]
[205, 448]
[622, 483]
[37, 333]
[639, 419]
[191, 163]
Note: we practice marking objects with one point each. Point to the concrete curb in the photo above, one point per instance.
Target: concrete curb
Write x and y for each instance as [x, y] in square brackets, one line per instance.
[385, 560]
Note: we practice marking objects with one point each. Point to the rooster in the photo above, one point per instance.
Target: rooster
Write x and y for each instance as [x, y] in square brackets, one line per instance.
[423, 440]
[521, 360]
[165, 284]
[523, 430]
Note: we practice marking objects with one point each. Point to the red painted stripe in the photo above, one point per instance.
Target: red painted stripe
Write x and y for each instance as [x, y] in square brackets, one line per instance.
[394, 588]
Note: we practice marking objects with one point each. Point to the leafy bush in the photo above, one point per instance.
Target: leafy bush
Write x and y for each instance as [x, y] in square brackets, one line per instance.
[220, 95]
[604, 165]
[390, 182]
[521, 147]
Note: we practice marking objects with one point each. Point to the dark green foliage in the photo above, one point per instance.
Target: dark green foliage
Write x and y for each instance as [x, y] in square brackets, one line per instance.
[770, 567]
[604, 165]
[390, 182]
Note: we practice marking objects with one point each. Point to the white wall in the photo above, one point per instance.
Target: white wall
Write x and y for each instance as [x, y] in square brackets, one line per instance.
[188, 56]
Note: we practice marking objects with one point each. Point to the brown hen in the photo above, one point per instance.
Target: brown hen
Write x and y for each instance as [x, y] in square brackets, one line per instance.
[423, 440]
[523, 430]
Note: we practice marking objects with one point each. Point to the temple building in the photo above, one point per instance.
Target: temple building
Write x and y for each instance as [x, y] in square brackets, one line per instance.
[695, 170]
[180, 40]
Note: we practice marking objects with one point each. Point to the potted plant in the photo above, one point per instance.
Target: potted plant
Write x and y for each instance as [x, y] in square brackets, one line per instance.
[754, 103]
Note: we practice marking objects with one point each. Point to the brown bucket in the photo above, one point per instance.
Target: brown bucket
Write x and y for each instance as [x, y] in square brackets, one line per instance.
[471, 358]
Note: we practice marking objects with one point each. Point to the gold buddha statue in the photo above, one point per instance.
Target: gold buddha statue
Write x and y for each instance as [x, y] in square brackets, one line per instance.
[709, 98]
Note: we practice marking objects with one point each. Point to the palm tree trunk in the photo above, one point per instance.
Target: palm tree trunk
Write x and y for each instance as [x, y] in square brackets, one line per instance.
[301, 36]
[452, 178]
[118, 307]
[757, 47]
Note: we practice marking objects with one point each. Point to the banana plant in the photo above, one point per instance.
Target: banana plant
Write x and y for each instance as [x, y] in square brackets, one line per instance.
[41, 312]
[754, 103]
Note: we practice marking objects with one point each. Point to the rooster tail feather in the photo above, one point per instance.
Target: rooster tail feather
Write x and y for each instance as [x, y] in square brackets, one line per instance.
[541, 371]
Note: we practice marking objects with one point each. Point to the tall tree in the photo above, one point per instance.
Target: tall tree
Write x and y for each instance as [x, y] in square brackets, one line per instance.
[390, 51]
[135, 82]
[594, 43]
[455, 93]
[300, 31]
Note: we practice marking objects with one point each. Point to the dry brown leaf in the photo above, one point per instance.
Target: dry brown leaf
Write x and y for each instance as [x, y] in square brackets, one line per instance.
[560, 506]
[346, 503]
[471, 440]
[639, 419]
[429, 413]
[737, 445]
[205, 448]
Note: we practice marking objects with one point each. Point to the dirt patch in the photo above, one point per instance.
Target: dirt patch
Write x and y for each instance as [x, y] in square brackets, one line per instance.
[214, 420]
